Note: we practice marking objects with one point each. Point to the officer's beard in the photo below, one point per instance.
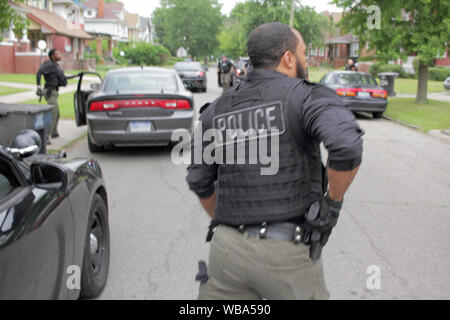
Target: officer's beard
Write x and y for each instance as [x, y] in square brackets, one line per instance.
[301, 72]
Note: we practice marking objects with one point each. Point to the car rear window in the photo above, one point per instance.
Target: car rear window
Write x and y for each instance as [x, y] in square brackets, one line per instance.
[188, 66]
[141, 82]
[355, 79]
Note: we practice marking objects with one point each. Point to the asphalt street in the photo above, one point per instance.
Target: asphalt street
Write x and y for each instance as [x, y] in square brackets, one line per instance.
[396, 217]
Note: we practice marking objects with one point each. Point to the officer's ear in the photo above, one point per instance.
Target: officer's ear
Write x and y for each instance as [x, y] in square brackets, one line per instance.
[288, 63]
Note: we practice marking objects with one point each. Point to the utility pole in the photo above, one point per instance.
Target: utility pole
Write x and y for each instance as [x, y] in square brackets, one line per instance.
[292, 14]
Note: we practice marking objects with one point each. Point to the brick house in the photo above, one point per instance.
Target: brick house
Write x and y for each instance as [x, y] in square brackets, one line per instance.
[338, 48]
[59, 23]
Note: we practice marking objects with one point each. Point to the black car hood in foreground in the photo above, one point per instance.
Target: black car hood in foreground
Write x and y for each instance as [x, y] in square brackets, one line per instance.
[16, 225]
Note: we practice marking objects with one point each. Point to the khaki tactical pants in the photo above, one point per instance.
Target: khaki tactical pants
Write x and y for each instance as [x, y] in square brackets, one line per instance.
[53, 100]
[243, 267]
[225, 79]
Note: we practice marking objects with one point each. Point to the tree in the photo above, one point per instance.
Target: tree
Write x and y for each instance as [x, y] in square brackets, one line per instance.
[10, 17]
[407, 27]
[192, 24]
[246, 16]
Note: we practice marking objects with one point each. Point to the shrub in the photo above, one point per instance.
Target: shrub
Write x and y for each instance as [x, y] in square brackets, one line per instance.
[147, 54]
[378, 67]
[438, 73]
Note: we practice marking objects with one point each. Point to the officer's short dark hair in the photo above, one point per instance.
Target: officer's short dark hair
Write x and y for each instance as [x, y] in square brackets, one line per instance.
[52, 52]
[268, 43]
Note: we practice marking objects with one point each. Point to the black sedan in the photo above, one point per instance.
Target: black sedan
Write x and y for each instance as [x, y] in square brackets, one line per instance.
[360, 91]
[193, 75]
[54, 234]
[134, 107]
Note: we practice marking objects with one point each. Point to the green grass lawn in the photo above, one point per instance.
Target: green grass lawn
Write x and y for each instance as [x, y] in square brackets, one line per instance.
[66, 107]
[28, 78]
[409, 86]
[4, 91]
[428, 116]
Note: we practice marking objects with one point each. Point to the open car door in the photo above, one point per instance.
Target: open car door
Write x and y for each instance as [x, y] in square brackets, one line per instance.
[81, 97]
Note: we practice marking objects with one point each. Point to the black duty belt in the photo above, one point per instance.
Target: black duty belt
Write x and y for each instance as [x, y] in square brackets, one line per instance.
[284, 231]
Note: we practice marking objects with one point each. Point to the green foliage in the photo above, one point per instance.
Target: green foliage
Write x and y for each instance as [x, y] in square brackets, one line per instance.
[248, 15]
[146, 54]
[438, 73]
[378, 67]
[8, 17]
[407, 27]
[192, 24]
[420, 27]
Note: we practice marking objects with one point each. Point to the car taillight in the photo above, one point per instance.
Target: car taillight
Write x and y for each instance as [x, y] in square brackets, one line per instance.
[200, 74]
[353, 92]
[238, 72]
[347, 92]
[379, 93]
[112, 105]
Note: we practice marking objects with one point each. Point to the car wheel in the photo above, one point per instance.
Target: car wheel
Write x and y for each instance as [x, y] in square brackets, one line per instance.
[377, 115]
[204, 89]
[93, 148]
[96, 251]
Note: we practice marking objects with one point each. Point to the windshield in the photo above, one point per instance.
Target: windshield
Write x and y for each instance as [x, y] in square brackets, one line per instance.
[141, 82]
[355, 79]
[188, 66]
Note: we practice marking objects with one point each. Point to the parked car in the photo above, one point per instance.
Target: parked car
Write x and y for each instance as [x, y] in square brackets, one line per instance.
[360, 91]
[447, 83]
[134, 107]
[193, 75]
[53, 224]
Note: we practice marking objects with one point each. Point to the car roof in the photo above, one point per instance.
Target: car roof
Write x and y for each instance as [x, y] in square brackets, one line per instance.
[136, 69]
[348, 72]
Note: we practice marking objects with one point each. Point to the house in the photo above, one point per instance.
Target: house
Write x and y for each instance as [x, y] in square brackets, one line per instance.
[146, 30]
[133, 22]
[104, 20]
[338, 47]
[59, 23]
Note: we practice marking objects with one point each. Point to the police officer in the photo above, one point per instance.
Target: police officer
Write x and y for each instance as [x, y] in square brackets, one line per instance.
[54, 78]
[269, 230]
[225, 71]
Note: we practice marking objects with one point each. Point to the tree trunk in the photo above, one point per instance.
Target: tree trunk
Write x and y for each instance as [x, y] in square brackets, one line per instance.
[422, 89]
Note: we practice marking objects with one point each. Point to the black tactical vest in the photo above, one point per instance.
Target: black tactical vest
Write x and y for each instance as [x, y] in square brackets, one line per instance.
[244, 196]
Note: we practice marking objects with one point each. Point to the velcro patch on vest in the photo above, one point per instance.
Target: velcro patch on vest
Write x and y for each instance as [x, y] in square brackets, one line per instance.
[256, 122]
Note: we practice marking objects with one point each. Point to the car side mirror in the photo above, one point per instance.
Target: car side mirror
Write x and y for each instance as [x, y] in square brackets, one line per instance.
[23, 152]
[95, 86]
[49, 176]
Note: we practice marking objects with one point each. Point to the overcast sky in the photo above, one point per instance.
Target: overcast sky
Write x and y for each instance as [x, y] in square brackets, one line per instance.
[146, 7]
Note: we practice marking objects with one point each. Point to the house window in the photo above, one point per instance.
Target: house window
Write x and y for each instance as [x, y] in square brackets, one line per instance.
[321, 53]
[354, 49]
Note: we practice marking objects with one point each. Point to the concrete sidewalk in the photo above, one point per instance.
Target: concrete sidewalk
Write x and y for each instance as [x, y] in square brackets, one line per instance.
[30, 95]
[439, 96]
[69, 132]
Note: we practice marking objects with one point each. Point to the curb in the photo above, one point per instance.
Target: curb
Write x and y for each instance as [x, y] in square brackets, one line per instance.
[68, 145]
[432, 133]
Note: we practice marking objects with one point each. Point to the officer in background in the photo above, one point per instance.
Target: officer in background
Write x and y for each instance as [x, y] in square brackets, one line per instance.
[54, 78]
[351, 66]
[225, 71]
[270, 229]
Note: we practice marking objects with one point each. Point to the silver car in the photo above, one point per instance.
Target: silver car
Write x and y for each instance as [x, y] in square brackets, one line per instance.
[447, 83]
[134, 107]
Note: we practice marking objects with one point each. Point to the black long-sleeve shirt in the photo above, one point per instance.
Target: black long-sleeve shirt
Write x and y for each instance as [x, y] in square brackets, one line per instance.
[321, 115]
[53, 74]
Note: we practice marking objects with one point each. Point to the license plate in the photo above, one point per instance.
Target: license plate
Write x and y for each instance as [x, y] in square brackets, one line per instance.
[362, 94]
[140, 126]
